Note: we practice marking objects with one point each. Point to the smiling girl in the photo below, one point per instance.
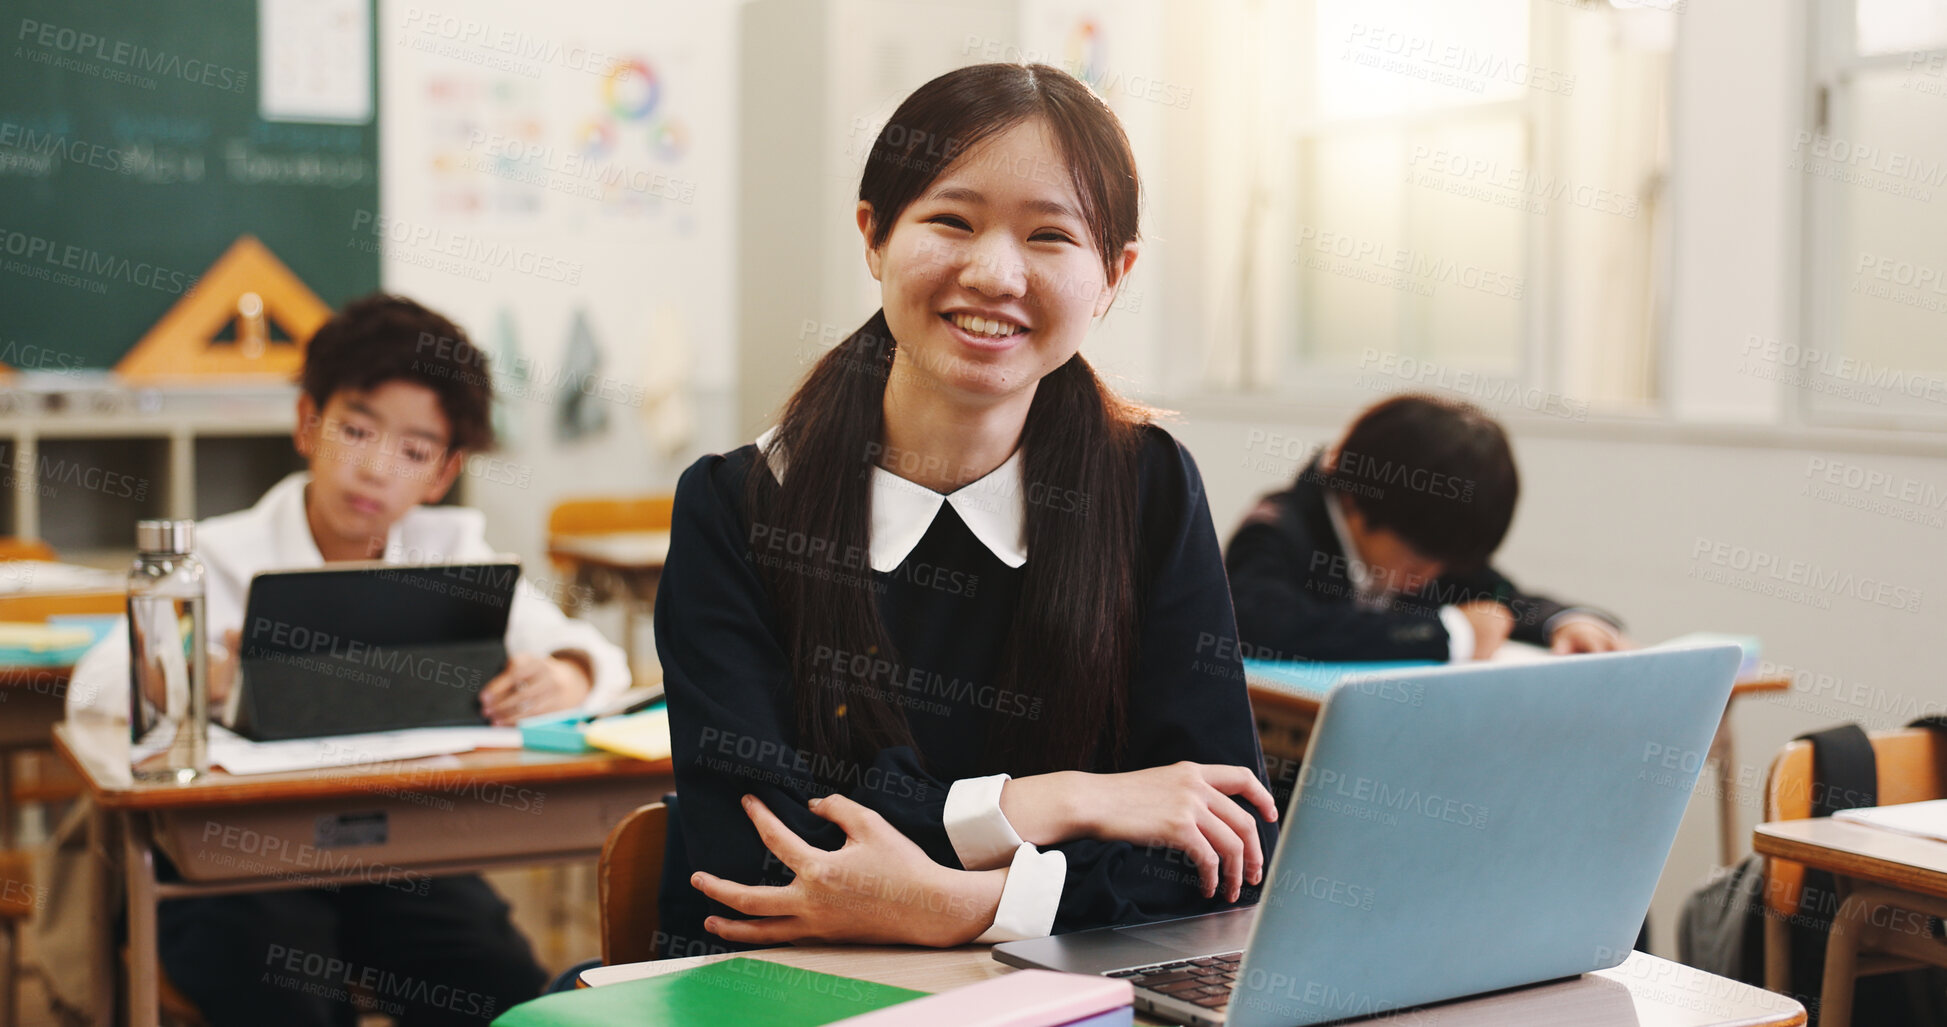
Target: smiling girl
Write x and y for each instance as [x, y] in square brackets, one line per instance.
[949, 652]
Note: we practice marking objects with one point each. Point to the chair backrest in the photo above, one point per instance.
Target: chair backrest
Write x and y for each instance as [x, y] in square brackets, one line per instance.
[602, 515]
[41, 606]
[18, 900]
[13, 547]
[1911, 767]
[627, 879]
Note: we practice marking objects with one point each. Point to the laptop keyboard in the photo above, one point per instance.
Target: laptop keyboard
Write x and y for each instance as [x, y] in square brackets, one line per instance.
[1205, 982]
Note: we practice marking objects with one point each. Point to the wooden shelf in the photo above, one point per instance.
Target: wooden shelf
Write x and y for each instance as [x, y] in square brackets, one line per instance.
[86, 456]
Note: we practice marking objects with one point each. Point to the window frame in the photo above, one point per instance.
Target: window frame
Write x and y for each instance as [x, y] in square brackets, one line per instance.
[1832, 64]
[1271, 342]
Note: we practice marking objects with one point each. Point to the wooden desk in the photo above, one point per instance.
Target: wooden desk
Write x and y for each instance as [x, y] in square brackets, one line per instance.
[624, 564]
[32, 696]
[1858, 852]
[371, 824]
[1874, 871]
[628, 551]
[1643, 992]
[1285, 716]
[31, 702]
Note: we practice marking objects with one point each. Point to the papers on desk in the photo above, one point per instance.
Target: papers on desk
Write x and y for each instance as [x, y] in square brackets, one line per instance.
[1920, 819]
[1746, 668]
[39, 577]
[644, 735]
[240, 755]
[1519, 652]
[58, 641]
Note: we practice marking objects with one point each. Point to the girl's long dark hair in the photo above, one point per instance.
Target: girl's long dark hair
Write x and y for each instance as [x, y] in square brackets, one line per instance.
[1072, 643]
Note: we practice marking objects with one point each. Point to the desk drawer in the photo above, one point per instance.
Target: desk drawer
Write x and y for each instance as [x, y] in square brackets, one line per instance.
[387, 836]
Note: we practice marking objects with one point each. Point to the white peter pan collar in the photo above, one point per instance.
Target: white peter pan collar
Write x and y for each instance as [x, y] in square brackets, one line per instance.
[991, 508]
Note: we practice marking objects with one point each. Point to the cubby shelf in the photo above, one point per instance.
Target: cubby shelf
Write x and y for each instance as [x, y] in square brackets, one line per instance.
[86, 458]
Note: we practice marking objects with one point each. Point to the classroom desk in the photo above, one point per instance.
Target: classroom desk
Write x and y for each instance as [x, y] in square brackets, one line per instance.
[385, 823]
[31, 701]
[619, 563]
[32, 696]
[1871, 868]
[1285, 715]
[1643, 992]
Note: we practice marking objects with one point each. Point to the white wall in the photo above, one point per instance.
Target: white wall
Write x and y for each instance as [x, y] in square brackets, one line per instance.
[486, 113]
[1738, 98]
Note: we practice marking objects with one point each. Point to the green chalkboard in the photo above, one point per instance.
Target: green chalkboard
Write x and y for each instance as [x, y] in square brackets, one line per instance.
[133, 151]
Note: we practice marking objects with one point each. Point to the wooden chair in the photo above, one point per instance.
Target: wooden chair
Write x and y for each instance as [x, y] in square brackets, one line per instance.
[597, 583]
[13, 547]
[628, 878]
[45, 780]
[607, 514]
[42, 701]
[604, 516]
[17, 902]
[1911, 767]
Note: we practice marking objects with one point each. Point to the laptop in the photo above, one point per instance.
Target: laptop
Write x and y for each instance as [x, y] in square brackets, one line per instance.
[355, 647]
[1454, 831]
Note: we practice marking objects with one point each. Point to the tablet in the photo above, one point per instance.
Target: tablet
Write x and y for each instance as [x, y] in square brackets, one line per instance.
[356, 647]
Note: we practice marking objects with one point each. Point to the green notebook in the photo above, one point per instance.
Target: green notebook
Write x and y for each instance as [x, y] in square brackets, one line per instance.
[741, 991]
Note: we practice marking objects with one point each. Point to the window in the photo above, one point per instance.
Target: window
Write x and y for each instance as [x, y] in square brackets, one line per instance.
[1467, 197]
[1875, 176]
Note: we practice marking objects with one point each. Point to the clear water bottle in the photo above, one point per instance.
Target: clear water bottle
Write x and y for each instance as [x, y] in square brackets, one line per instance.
[169, 683]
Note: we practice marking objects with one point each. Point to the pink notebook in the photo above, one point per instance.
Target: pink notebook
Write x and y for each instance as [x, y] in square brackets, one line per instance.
[1024, 998]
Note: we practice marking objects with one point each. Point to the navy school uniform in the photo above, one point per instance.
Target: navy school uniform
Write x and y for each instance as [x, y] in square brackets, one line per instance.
[1296, 598]
[947, 606]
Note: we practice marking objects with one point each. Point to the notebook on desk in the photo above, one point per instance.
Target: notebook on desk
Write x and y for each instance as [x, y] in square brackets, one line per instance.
[755, 992]
[1920, 819]
[362, 647]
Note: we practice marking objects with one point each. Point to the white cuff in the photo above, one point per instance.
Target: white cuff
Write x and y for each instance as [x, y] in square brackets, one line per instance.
[1460, 634]
[979, 831]
[1030, 896]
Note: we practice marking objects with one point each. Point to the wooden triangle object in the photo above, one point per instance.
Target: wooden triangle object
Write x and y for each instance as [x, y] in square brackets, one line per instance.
[247, 285]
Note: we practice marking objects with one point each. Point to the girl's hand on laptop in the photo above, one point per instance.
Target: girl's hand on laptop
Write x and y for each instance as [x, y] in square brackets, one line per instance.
[1184, 806]
[532, 685]
[878, 888]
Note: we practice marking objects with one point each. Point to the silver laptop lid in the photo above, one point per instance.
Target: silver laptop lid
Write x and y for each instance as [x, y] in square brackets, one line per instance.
[1458, 830]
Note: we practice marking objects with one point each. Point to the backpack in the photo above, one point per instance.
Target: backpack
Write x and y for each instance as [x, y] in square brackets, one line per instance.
[1721, 929]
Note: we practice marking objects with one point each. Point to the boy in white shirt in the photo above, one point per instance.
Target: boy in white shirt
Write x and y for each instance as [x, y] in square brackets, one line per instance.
[393, 400]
